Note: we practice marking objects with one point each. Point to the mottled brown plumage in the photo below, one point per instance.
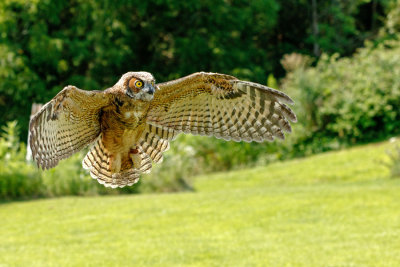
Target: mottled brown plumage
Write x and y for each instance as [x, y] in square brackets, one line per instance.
[130, 124]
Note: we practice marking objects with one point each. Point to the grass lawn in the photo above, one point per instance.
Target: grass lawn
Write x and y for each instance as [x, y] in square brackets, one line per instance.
[333, 209]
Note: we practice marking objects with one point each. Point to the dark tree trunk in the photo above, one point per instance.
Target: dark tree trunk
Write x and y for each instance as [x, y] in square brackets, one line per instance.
[315, 28]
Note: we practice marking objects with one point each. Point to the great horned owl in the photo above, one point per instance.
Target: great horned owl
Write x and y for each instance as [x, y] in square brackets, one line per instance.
[130, 124]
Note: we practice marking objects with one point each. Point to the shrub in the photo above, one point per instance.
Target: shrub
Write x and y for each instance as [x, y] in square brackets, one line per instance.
[17, 178]
[20, 179]
[176, 171]
[349, 100]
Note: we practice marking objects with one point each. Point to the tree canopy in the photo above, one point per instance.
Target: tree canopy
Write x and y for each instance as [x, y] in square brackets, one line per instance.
[48, 44]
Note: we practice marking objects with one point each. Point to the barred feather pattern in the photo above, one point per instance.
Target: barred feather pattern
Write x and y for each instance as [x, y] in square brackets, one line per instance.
[137, 131]
[219, 105]
[65, 125]
[97, 161]
[155, 141]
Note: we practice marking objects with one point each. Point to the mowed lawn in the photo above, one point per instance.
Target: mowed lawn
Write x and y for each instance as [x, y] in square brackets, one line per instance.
[333, 209]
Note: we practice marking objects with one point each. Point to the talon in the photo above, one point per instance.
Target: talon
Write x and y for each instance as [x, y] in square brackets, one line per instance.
[135, 157]
[134, 151]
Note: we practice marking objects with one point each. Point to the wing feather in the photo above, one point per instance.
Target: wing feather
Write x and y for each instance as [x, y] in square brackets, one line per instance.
[155, 141]
[220, 105]
[66, 124]
[97, 161]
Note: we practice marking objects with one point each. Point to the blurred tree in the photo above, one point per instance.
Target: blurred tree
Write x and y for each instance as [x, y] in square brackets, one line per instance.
[313, 27]
[392, 25]
[47, 44]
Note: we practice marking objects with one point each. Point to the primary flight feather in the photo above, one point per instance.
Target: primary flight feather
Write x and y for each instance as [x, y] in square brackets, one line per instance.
[130, 124]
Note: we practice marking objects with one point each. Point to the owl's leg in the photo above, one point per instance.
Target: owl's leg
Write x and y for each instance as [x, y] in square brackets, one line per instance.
[135, 157]
[115, 163]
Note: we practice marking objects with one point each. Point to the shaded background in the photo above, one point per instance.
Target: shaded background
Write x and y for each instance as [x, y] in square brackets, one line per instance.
[337, 59]
[46, 45]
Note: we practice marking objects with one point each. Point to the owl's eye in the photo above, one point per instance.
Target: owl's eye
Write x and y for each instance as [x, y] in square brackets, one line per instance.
[138, 84]
[135, 84]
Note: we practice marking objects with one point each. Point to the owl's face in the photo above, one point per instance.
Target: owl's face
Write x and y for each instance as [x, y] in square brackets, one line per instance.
[138, 85]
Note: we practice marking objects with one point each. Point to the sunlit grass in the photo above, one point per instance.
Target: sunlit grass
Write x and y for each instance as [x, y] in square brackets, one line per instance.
[333, 209]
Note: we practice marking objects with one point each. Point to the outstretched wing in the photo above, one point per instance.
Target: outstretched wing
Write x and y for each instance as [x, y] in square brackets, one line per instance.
[65, 125]
[222, 106]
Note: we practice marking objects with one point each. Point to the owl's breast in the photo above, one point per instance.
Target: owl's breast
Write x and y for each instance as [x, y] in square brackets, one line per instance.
[135, 114]
[126, 114]
[122, 125]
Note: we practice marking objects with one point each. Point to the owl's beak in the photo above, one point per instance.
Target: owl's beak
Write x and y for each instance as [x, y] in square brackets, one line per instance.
[149, 88]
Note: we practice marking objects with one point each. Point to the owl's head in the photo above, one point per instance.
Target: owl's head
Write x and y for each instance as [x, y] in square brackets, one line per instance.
[138, 85]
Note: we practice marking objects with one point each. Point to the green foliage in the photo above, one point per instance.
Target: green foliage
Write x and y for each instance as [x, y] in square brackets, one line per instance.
[349, 100]
[392, 25]
[341, 26]
[20, 179]
[69, 178]
[219, 155]
[46, 45]
[17, 178]
[391, 29]
[338, 31]
[271, 81]
[176, 171]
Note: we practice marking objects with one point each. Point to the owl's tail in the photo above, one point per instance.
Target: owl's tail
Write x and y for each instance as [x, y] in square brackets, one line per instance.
[99, 162]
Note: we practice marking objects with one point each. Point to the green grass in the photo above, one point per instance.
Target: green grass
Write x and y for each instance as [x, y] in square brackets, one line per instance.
[333, 209]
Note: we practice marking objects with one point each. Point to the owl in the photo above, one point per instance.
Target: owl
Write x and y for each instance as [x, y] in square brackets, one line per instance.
[130, 125]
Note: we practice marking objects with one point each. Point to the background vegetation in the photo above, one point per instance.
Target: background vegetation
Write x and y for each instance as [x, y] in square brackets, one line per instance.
[337, 59]
[45, 44]
[20, 179]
